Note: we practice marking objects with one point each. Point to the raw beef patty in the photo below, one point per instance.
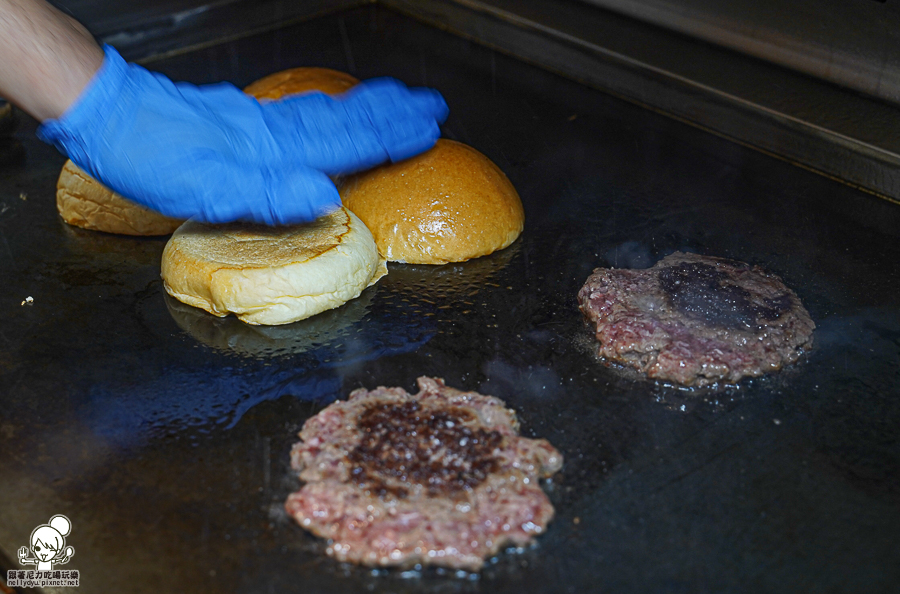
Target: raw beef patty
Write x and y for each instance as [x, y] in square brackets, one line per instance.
[435, 478]
[696, 320]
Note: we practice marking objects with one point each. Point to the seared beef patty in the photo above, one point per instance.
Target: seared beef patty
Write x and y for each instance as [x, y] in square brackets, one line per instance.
[438, 478]
[696, 320]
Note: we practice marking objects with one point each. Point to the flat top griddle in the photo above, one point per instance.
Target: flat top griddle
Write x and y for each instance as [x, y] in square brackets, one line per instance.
[163, 433]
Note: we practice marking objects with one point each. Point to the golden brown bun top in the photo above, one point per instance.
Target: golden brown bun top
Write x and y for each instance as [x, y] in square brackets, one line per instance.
[301, 80]
[448, 204]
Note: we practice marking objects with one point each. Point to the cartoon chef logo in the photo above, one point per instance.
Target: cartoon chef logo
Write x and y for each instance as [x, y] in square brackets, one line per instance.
[48, 544]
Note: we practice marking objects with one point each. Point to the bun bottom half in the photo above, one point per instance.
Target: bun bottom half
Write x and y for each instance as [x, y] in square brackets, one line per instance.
[84, 202]
[271, 275]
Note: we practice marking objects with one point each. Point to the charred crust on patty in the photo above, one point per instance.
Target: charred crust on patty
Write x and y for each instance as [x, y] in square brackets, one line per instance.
[434, 449]
[440, 477]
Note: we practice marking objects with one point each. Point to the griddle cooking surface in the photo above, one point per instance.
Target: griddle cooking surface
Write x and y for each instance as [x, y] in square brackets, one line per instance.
[163, 434]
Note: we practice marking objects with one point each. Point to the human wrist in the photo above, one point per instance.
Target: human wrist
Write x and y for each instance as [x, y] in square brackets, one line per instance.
[48, 57]
[70, 131]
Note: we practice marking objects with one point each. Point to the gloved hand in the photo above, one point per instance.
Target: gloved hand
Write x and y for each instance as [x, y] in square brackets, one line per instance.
[218, 155]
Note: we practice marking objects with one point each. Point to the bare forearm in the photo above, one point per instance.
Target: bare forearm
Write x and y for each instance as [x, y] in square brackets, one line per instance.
[46, 57]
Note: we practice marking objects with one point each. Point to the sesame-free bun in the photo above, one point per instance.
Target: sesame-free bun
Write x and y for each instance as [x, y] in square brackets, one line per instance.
[301, 80]
[84, 202]
[448, 204]
[271, 275]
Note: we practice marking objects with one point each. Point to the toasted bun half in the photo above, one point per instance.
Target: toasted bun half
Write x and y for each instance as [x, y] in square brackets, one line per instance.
[271, 275]
[301, 80]
[84, 202]
[449, 204]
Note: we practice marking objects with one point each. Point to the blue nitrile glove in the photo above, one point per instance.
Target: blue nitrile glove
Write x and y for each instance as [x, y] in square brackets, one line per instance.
[218, 155]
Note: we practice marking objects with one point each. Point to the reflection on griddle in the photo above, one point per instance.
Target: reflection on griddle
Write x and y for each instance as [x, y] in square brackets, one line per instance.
[435, 284]
[423, 287]
[232, 335]
[100, 253]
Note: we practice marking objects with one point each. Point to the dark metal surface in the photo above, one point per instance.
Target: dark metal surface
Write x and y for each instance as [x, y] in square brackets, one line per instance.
[854, 44]
[140, 29]
[164, 435]
[804, 120]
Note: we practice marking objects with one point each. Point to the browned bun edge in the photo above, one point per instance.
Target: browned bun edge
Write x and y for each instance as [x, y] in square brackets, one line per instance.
[448, 204]
[301, 80]
[84, 202]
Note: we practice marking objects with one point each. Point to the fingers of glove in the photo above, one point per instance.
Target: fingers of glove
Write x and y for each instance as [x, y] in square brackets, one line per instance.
[309, 114]
[405, 121]
[315, 130]
[382, 100]
[222, 110]
[406, 140]
[375, 121]
[300, 195]
[214, 190]
[273, 198]
[386, 98]
[429, 103]
[346, 150]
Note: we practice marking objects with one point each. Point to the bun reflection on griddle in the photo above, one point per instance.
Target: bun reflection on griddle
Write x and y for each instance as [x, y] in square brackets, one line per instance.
[448, 204]
[448, 282]
[231, 335]
[429, 294]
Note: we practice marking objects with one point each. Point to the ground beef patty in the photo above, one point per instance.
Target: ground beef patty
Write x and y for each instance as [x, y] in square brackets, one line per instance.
[696, 320]
[436, 478]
